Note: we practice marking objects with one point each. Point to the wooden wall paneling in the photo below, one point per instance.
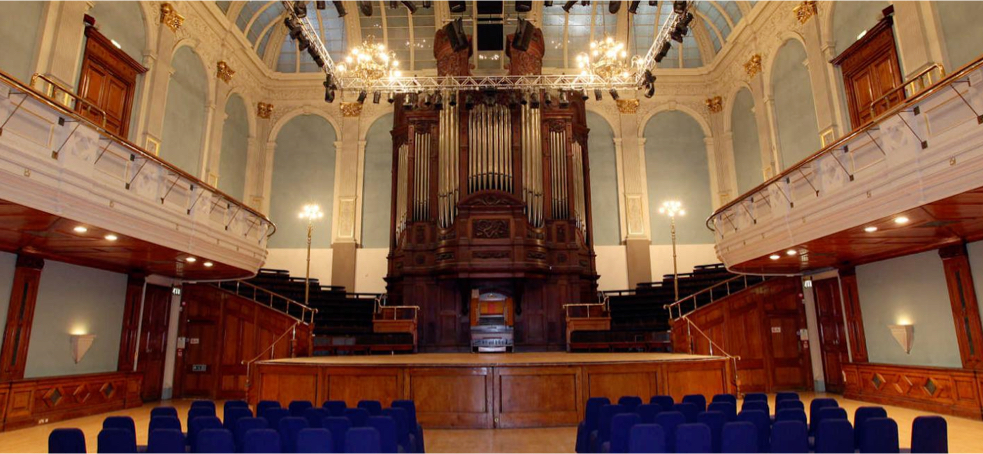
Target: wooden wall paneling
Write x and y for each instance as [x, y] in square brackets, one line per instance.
[854, 317]
[128, 339]
[4, 392]
[108, 80]
[202, 320]
[790, 363]
[50, 399]
[745, 318]
[152, 343]
[352, 384]
[965, 309]
[706, 377]
[286, 383]
[614, 381]
[452, 397]
[20, 317]
[538, 396]
[940, 390]
[871, 70]
[832, 340]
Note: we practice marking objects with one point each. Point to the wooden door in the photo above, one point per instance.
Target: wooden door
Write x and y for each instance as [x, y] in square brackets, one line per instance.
[153, 340]
[107, 81]
[832, 337]
[871, 74]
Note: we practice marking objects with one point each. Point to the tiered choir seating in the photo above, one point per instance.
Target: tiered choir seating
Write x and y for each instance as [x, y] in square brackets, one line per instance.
[343, 324]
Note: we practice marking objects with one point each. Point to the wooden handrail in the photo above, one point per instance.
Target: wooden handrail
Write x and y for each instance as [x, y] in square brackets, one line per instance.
[725, 283]
[68, 91]
[290, 302]
[914, 79]
[945, 82]
[43, 98]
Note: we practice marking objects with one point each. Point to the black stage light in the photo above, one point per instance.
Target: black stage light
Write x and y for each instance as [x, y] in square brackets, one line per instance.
[597, 94]
[534, 100]
[490, 98]
[633, 7]
[376, 97]
[679, 6]
[316, 56]
[614, 94]
[365, 7]
[300, 9]
[686, 19]
[649, 77]
[548, 99]
[585, 3]
[303, 43]
[407, 101]
[452, 99]
[410, 6]
[584, 95]
[653, 3]
[523, 35]
[340, 8]
[524, 99]
[663, 51]
[514, 100]
[328, 88]
[564, 99]
[523, 6]
[438, 101]
[468, 102]
[361, 96]
[427, 100]
[427, 4]
[457, 7]
[678, 32]
[650, 92]
[321, 4]
[568, 5]
[328, 95]
[455, 34]
[391, 98]
[614, 7]
[393, 4]
[294, 25]
[547, 4]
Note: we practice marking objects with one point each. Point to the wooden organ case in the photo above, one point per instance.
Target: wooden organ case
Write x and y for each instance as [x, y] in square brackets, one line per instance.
[491, 197]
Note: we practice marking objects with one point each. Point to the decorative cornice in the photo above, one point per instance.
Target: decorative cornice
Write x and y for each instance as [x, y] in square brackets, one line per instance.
[805, 11]
[628, 106]
[715, 104]
[753, 66]
[224, 72]
[264, 110]
[170, 17]
[351, 109]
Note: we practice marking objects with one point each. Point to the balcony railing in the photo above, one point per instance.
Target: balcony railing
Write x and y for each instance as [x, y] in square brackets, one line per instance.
[894, 139]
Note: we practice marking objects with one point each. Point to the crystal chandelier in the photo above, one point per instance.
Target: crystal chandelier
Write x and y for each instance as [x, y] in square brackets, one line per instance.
[370, 62]
[607, 58]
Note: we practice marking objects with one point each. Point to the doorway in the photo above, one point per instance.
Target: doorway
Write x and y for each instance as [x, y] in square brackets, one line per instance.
[153, 340]
[832, 335]
[108, 81]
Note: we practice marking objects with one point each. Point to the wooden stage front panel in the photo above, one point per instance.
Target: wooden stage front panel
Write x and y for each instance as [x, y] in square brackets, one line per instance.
[460, 390]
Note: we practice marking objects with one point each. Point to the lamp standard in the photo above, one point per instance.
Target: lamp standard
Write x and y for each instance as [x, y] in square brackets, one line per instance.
[673, 208]
[311, 212]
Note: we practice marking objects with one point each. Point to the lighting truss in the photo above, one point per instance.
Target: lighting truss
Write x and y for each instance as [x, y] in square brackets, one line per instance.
[477, 83]
[648, 61]
[310, 33]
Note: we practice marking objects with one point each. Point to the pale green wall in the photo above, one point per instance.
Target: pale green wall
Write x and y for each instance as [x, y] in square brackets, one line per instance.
[795, 110]
[7, 264]
[303, 173]
[676, 168]
[747, 149]
[603, 181]
[961, 30]
[852, 18]
[235, 147]
[908, 289]
[377, 184]
[74, 298]
[19, 26]
[123, 23]
[184, 115]
[976, 264]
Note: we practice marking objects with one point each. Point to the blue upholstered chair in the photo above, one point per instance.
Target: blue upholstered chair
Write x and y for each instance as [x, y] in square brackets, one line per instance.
[860, 417]
[199, 424]
[648, 412]
[814, 407]
[373, 406]
[739, 436]
[415, 427]
[114, 440]
[314, 440]
[358, 416]
[203, 404]
[727, 408]
[386, 427]
[621, 426]
[362, 440]
[261, 440]
[592, 414]
[119, 422]
[274, 415]
[756, 405]
[791, 415]
[66, 440]
[929, 434]
[645, 438]
[630, 402]
[288, 428]
[199, 412]
[670, 420]
[404, 439]
[164, 422]
[298, 407]
[762, 422]
[725, 398]
[689, 410]
[339, 427]
[214, 441]
[666, 402]
[696, 399]
[264, 405]
[693, 438]
[244, 425]
[834, 435]
[603, 432]
[315, 415]
[165, 441]
[233, 414]
[715, 420]
[789, 404]
[880, 435]
[163, 411]
[786, 396]
[335, 407]
[789, 436]
[751, 397]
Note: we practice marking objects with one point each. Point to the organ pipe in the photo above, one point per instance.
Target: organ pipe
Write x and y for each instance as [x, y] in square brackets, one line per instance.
[532, 165]
[578, 188]
[558, 156]
[421, 187]
[490, 149]
[448, 192]
[401, 187]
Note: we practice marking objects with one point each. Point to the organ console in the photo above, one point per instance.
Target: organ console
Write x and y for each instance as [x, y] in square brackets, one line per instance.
[491, 202]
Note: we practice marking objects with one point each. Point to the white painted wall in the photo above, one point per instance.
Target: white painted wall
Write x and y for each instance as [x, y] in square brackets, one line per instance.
[612, 265]
[294, 260]
[370, 270]
[687, 257]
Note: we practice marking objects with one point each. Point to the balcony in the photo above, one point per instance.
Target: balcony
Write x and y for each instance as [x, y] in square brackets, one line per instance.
[909, 181]
[61, 174]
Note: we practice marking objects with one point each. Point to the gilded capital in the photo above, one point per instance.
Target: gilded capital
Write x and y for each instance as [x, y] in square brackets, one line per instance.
[264, 110]
[805, 11]
[224, 72]
[753, 66]
[170, 17]
[351, 109]
[628, 106]
[715, 104]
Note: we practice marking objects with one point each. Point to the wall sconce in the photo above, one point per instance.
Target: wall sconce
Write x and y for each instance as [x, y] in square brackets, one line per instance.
[80, 345]
[904, 334]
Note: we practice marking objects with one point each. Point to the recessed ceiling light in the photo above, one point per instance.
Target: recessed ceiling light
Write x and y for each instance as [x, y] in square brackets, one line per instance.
[80, 229]
[870, 229]
[191, 260]
[791, 252]
[901, 220]
[208, 264]
[775, 256]
[111, 237]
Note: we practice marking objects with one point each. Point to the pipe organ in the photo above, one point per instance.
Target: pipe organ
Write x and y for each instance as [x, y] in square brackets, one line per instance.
[491, 200]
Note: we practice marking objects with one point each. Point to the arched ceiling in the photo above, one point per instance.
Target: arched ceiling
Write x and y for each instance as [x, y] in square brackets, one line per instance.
[410, 36]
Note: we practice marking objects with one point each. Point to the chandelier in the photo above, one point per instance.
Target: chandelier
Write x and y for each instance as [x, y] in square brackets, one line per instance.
[370, 62]
[607, 58]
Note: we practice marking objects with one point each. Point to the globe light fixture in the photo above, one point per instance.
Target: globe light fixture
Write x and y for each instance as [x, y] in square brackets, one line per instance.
[673, 208]
[310, 212]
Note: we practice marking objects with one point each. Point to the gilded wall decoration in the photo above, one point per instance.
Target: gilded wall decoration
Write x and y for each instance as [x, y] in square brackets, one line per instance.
[170, 17]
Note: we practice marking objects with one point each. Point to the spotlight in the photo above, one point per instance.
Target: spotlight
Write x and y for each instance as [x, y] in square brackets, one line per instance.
[190, 259]
[321, 4]
[410, 6]
[457, 7]
[468, 102]
[361, 97]
[649, 77]
[633, 7]
[651, 91]
[568, 5]
[678, 33]
[547, 4]
[365, 7]
[407, 102]
[663, 51]
[901, 220]
[686, 19]
[80, 229]
[438, 101]
[523, 6]
[208, 264]
[316, 56]
[514, 100]
[564, 100]
[870, 229]
[597, 94]
[303, 43]
[490, 98]
[393, 4]
[376, 97]
[523, 35]
[774, 256]
[653, 3]
[427, 4]
[584, 95]
[111, 237]
[534, 100]
[452, 99]
[338, 6]
[328, 95]
[391, 98]
[427, 100]
[679, 6]
[614, 94]
[548, 99]
[300, 9]
[614, 7]
[524, 99]
[294, 25]
[455, 34]
[791, 252]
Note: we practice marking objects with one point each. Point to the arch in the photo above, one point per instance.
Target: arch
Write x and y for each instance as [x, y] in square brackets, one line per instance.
[796, 126]
[769, 63]
[677, 167]
[182, 139]
[298, 111]
[303, 172]
[125, 23]
[846, 21]
[961, 34]
[20, 32]
[604, 200]
[235, 147]
[746, 143]
[377, 183]
[192, 44]
[670, 107]
[729, 101]
[248, 100]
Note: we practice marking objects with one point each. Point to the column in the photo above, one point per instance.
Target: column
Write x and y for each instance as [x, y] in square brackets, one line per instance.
[20, 317]
[347, 178]
[62, 40]
[631, 170]
[915, 50]
[965, 311]
[151, 118]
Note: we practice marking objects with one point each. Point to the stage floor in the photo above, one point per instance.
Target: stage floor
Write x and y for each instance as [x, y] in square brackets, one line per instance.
[510, 390]
[492, 359]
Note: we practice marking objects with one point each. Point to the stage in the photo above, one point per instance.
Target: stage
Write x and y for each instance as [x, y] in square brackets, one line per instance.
[483, 391]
